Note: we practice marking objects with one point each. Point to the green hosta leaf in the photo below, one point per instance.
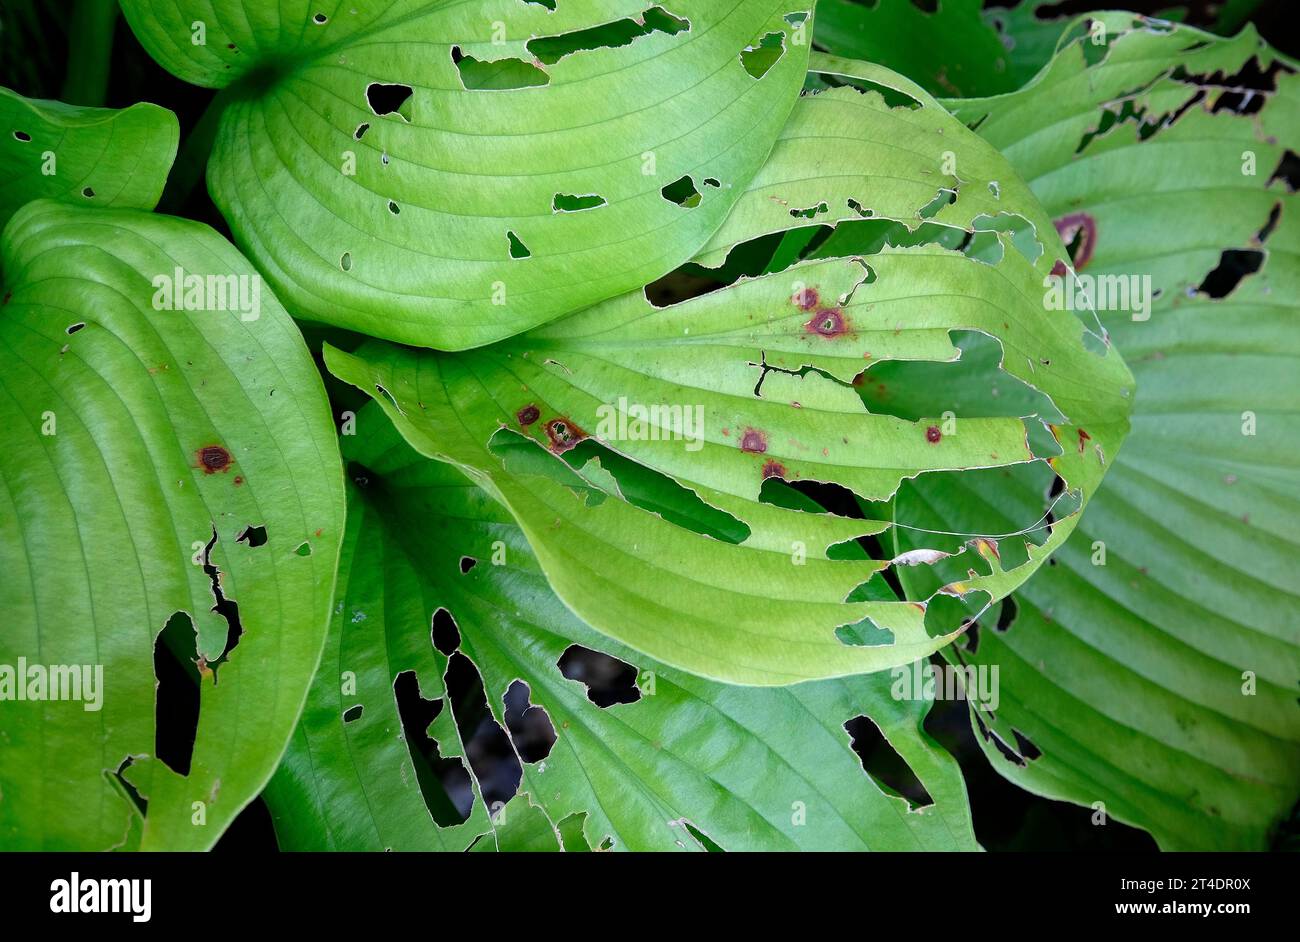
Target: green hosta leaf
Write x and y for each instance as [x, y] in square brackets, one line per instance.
[694, 543]
[90, 156]
[1156, 666]
[141, 447]
[750, 768]
[449, 174]
[949, 51]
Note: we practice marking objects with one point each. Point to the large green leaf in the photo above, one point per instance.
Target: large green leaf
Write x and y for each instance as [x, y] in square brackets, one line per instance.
[446, 174]
[89, 156]
[141, 444]
[752, 768]
[1155, 667]
[693, 544]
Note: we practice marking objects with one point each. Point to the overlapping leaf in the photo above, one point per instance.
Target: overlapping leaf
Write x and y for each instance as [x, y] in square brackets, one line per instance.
[1156, 667]
[88, 156]
[704, 542]
[449, 174]
[168, 459]
[949, 50]
[750, 768]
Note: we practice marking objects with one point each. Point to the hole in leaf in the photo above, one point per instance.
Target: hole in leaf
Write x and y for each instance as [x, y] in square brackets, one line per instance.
[569, 203]
[810, 212]
[444, 782]
[73, 328]
[1025, 746]
[22, 136]
[652, 490]
[759, 58]
[487, 746]
[517, 248]
[386, 99]
[551, 49]
[682, 192]
[88, 193]
[496, 74]
[1007, 613]
[394, 208]
[132, 793]
[345, 261]
[467, 563]
[253, 536]
[531, 729]
[444, 632]
[361, 130]
[176, 707]
[882, 763]
[353, 713]
[228, 609]
[1234, 265]
[608, 680]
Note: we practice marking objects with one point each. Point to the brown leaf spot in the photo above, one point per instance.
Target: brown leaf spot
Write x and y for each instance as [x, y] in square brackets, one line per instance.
[528, 415]
[773, 469]
[1083, 227]
[213, 458]
[563, 434]
[828, 322]
[806, 299]
[932, 434]
[753, 441]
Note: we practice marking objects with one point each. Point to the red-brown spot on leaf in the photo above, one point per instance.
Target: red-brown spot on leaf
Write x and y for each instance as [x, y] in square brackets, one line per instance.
[563, 434]
[528, 415]
[213, 458]
[828, 322]
[932, 434]
[806, 299]
[1083, 437]
[239, 479]
[1058, 270]
[773, 469]
[753, 441]
[1083, 227]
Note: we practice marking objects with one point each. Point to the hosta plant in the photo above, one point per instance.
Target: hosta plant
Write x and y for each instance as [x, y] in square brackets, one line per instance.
[617, 425]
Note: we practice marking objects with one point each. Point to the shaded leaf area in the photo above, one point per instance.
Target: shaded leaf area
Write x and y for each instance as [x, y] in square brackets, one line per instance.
[426, 144]
[145, 436]
[1155, 667]
[1034, 31]
[955, 48]
[88, 156]
[948, 48]
[679, 764]
[736, 443]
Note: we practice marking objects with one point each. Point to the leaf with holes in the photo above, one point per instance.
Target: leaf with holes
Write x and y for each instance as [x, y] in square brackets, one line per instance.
[702, 481]
[90, 156]
[673, 761]
[450, 174]
[170, 518]
[1155, 668]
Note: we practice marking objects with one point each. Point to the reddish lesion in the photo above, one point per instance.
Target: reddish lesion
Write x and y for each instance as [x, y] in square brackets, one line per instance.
[564, 434]
[1080, 226]
[828, 322]
[213, 458]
